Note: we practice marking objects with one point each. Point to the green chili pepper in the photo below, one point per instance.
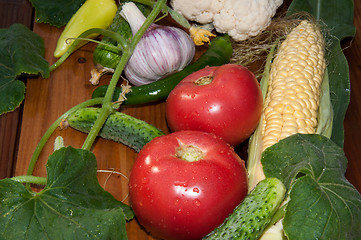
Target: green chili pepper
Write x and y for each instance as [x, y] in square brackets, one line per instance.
[218, 53]
[92, 14]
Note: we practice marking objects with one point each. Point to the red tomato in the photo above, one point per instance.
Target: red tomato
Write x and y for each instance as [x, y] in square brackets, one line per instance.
[225, 100]
[175, 198]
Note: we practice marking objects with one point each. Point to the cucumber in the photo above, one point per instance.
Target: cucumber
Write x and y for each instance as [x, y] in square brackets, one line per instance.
[119, 127]
[106, 56]
[251, 217]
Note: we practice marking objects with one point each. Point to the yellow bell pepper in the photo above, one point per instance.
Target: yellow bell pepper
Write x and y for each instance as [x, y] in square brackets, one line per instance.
[92, 14]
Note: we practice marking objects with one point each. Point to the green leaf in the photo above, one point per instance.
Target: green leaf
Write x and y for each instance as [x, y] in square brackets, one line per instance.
[323, 204]
[72, 205]
[337, 16]
[179, 18]
[56, 13]
[21, 53]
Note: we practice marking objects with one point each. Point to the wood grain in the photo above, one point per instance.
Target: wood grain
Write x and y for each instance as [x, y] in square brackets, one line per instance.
[47, 99]
[16, 11]
[352, 123]
[69, 85]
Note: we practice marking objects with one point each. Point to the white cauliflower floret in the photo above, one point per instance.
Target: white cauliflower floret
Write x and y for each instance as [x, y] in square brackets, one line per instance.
[198, 11]
[239, 18]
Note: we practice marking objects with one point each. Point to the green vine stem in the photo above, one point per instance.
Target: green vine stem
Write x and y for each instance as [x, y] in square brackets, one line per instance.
[30, 179]
[119, 38]
[107, 107]
[53, 127]
[179, 18]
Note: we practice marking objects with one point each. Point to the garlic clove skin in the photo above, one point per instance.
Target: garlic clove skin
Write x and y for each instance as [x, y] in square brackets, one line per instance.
[161, 51]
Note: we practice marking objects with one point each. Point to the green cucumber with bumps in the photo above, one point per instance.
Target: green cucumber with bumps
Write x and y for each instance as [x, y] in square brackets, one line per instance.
[253, 215]
[118, 127]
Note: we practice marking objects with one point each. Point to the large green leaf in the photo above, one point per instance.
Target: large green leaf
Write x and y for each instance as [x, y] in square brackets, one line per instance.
[56, 13]
[72, 205]
[337, 16]
[323, 204]
[21, 53]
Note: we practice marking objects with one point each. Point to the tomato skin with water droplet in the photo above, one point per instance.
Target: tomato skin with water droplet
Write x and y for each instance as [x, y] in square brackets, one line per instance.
[183, 199]
[229, 106]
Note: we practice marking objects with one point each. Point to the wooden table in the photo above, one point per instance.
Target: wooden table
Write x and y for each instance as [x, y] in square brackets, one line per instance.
[47, 99]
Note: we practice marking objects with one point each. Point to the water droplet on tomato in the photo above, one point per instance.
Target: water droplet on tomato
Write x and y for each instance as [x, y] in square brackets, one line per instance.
[196, 190]
[145, 180]
[182, 184]
[177, 201]
[197, 202]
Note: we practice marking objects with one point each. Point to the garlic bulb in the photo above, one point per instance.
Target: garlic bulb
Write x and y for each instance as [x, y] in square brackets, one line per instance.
[161, 51]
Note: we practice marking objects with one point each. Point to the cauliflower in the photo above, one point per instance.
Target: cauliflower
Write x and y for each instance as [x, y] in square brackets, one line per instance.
[241, 19]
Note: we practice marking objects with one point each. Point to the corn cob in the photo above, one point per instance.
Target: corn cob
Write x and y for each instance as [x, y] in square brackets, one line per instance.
[292, 100]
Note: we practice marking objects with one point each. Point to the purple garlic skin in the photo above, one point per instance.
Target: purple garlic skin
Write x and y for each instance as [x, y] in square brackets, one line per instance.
[163, 50]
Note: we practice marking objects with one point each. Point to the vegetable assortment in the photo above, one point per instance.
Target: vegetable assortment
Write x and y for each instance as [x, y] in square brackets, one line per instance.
[105, 56]
[218, 53]
[193, 184]
[162, 50]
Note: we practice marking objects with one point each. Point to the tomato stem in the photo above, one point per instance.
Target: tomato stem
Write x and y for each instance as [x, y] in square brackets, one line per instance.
[204, 80]
[189, 153]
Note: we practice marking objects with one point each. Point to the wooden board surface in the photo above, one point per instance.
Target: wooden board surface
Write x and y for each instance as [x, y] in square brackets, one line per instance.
[47, 99]
[17, 11]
